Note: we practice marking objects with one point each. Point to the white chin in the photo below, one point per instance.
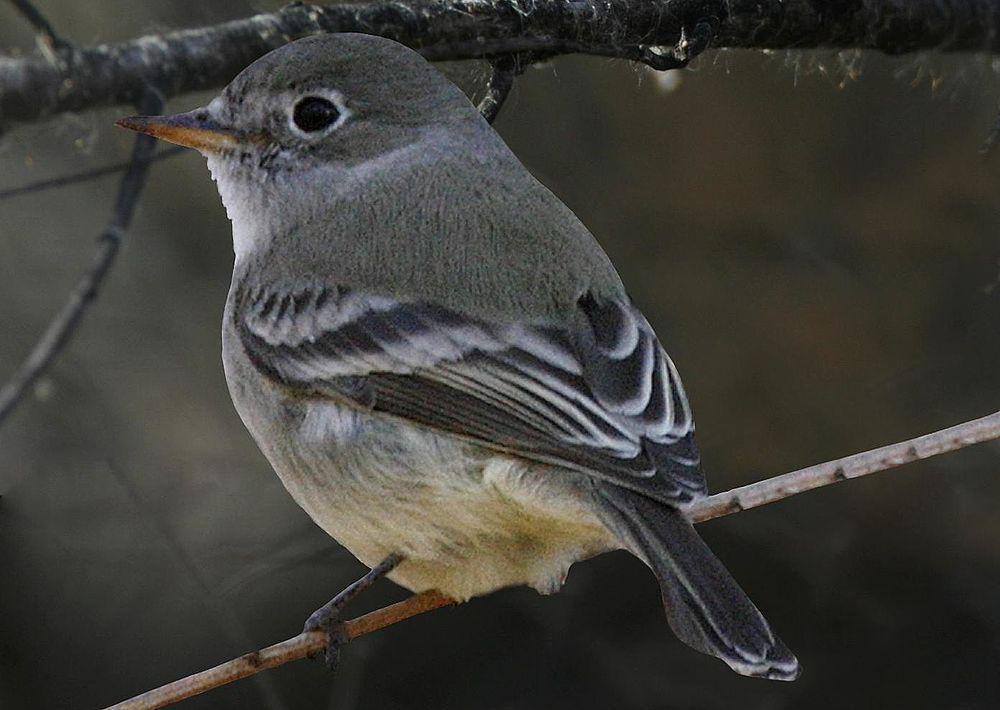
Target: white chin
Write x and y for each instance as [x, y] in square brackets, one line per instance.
[241, 196]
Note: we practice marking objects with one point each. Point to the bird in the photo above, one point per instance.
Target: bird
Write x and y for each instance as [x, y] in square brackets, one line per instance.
[436, 356]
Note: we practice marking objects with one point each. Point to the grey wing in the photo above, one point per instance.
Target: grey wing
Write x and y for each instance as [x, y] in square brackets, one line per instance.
[605, 401]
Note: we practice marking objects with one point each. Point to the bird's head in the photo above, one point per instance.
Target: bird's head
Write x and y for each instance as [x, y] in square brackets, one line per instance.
[335, 98]
[314, 117]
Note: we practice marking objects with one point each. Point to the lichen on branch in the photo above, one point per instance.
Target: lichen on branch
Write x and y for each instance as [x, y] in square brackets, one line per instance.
[189, 60]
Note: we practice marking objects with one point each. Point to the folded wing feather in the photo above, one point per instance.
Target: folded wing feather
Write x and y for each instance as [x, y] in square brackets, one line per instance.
[606, 401]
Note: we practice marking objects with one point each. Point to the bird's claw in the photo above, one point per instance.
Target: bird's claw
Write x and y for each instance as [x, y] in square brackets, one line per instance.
[327, 620]
[327, 617]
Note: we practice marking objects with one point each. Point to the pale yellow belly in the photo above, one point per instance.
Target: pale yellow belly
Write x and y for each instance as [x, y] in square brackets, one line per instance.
[467, 521]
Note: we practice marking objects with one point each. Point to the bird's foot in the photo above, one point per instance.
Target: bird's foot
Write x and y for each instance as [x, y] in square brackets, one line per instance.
[327, 617]
[327, 620]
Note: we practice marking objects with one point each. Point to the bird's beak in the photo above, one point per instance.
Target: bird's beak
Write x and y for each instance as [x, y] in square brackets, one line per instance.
[194, 129]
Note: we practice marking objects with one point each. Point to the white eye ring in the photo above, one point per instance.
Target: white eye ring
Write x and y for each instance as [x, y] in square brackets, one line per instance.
[308, 108]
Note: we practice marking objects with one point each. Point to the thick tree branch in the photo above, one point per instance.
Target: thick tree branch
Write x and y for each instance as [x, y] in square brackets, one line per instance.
[739, 499]
[645, 30]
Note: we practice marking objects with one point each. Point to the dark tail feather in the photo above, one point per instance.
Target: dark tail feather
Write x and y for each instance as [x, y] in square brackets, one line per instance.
[705, 606]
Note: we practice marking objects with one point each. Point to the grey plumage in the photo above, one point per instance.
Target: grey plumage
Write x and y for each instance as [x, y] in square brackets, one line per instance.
[705, 606]
[438, 358]
[533, 390]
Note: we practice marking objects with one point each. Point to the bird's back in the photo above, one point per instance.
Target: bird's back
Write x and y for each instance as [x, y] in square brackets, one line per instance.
[452, 220]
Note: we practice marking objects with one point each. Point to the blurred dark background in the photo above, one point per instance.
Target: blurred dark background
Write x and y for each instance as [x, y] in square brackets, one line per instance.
[814, 237]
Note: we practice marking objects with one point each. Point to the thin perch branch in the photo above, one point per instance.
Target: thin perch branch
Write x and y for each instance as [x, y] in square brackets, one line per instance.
[734, 501]
[306, 644]
[805, 479]
[64, 325]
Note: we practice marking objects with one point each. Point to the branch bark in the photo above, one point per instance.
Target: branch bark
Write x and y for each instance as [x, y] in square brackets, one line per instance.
[499, 86]
[739, 499]
[208, 57]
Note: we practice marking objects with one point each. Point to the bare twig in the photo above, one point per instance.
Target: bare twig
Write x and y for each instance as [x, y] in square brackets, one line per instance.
[734, 501]
[774, 489]
[86, 175]
[499, 86]
[304, 645]
[62, 327]
[221, 613]
[662, 33]
[690, 44]
[41, 24]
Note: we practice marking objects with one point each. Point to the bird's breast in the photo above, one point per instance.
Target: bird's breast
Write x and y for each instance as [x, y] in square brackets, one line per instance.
[467, 519]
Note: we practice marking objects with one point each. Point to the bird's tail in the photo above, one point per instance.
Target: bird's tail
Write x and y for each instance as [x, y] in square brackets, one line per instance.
[705, 606]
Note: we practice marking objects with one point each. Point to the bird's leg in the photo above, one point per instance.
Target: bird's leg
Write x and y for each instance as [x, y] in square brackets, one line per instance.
[327, 617]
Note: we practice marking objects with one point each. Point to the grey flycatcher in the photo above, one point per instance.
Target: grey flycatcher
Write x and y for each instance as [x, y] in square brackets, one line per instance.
[436, 356]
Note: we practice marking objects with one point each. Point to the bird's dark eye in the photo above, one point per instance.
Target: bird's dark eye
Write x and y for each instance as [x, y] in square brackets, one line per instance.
[314, 113]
